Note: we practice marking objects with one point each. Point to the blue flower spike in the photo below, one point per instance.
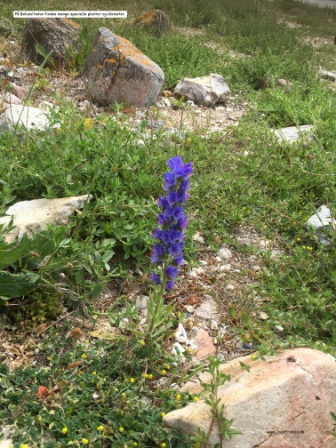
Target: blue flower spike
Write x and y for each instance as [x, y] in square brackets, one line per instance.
[172, 223]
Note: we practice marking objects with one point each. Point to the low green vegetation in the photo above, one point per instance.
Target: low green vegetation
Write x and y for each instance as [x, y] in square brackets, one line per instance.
[97, 396]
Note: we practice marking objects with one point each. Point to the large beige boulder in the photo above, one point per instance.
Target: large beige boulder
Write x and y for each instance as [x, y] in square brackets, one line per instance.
[51, 34]
[118, 72]
[283, 402]
[34, 216]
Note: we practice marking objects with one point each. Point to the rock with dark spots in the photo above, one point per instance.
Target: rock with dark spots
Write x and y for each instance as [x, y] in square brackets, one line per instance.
[205, 90]
[57, 35]
[330, 76]
[118, 72]
[282, 402]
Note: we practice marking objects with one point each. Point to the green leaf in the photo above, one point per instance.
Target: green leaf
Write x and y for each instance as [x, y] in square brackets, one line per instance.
[244, 366]
[97, 289]
[232, 312]
[17, 285]
[245, 319]
[10, 254]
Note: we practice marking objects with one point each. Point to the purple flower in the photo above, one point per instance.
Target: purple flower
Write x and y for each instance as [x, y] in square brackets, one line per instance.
[172, 221]
[170, 180]
[158, 254]
[170, 285]
[155, 278]
[172, 272]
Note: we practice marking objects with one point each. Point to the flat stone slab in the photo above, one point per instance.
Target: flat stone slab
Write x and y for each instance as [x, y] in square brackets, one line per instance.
[30, 217]
[118, 72]
[283, 402]
[293, 133]
[28, 117]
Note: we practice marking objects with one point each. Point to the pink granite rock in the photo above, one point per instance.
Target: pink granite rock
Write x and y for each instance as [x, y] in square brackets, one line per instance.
[203, 344]
[283, 402]
[118, 72]
[21, 92]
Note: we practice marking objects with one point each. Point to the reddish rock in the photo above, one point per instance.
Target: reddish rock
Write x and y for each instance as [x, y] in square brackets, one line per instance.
[283, 402]
[203, 344]
[118, 72]
[21, 92]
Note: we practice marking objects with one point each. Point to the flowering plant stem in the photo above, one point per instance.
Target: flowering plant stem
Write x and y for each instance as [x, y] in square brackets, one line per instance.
[167, 253]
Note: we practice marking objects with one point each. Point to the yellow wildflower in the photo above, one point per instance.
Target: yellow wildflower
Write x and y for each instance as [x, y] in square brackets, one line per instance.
[64, 430]
[83, 356]
[163, 372]
[196, 399]
[85, 441]
[132, 380]
[121, 429]
[88, 123]
[100, 428]
[163, 414]
[178, 397]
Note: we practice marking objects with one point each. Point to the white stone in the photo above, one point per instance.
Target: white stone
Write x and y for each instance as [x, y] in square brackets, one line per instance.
[205, 90]
[30, 217]
[198, 237]
[224, 267]
[178, 351]
[322, 220]
[6, 442]
[181, 335]
[230, 287]
[224, 253]
[46, 105]
[189, 309]
[292, 133]
[213, 325]
[9, 98]
[263, 315]
[142, 302]
[196, 272]
[28, 117]
[208, 309]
